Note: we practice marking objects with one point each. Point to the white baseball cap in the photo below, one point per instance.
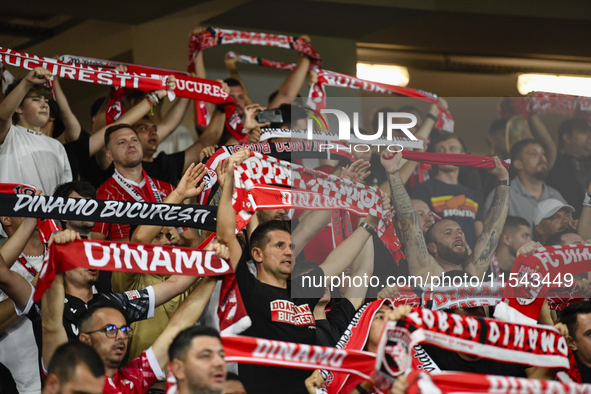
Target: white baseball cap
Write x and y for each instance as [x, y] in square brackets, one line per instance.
[549, 207]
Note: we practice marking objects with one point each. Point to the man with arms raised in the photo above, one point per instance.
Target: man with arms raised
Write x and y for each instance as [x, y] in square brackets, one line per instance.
[105, 328]
[444, 247]
[275, 313]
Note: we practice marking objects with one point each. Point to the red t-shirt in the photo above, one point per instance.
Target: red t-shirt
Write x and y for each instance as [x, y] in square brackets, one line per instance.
[136, 376]
[111, 190]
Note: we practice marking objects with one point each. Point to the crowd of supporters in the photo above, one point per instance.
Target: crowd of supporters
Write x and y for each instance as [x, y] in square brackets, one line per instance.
[122, 331]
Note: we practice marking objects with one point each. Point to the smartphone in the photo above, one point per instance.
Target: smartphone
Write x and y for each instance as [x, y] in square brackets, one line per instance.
[270, 115]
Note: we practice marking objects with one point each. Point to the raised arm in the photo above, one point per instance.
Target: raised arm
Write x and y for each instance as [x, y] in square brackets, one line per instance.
[226, 223]
[362, 265]
[173, 117]
[293, 83]
[233, 71]
[584, 225]
[9, 105]
[541, 134]
[188, 312]
[420, 262]
[97, 140]
[15, 286]
[73, 129]
[486, 244]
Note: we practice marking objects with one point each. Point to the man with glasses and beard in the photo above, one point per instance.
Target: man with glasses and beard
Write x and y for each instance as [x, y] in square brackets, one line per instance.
[528, 187]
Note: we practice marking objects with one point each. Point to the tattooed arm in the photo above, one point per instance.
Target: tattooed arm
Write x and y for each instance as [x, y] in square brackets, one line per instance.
[493, 224]
[420, 262]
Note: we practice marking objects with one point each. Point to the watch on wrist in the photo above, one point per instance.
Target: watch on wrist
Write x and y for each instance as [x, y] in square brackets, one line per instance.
[370, 230]
[505, 182]
[431, 116]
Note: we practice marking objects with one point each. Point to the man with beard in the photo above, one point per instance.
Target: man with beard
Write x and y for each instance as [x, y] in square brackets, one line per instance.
[528, 188]
[550, 217]
[448, 198]
[105, 327]
[444, 247]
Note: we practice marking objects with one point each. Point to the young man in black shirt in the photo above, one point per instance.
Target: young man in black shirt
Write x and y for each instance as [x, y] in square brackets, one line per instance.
[274, 312]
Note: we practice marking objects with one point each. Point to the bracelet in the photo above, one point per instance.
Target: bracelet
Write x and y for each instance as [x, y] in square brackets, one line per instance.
[370, 230]
[587, 200]
[360, 389]
[504, 182]
[392, 172]
[431, 116]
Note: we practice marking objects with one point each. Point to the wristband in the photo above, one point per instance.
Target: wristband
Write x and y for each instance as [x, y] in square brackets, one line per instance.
[392, 172]
[587, 200]
[360, 389]
[431, 116]
[504, 182]
[369, 229]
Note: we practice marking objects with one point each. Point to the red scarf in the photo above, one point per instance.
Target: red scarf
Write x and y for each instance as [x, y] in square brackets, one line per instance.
[215, 36]
[128, 257]
[317, 93]
[463, 382]
[462, 160]
[317, 191]
[46, 227]
[553, 104]
[138, 77]
[525, 299]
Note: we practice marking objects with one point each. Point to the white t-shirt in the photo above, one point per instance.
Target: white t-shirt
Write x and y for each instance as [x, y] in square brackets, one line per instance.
[19, 340]
[33, 158]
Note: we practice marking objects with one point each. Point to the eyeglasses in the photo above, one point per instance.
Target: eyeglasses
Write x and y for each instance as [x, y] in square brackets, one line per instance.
[111, 331]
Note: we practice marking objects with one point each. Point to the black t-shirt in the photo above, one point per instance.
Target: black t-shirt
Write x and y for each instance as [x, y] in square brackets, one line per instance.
[571, 178]
[165, 167]
[84, 167]
[276, 315]
[448, 360]
[455, 202]
[137, 305]
[330, 330]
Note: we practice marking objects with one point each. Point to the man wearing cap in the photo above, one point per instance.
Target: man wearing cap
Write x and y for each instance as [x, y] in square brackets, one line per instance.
[550, 217]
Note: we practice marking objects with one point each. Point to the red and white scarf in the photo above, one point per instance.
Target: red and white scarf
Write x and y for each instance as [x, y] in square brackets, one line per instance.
[6, 77]
[128, 257]
[215, 36]
[138, 77]
[553, 104]
[539, 346]
[136, 192]
[115, 108]
[464, 382]
[317, 93]
[316, 191]
[526, 299]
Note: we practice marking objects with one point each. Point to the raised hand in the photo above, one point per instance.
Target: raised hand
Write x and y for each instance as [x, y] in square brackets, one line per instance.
[220, 171]
[528, 248]
[207, 152]
[357, 171]
[391, 161]
[64, 237]
[499, 171]
[250, 114]
[38, 76]
[220, 250]
[188, 186]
